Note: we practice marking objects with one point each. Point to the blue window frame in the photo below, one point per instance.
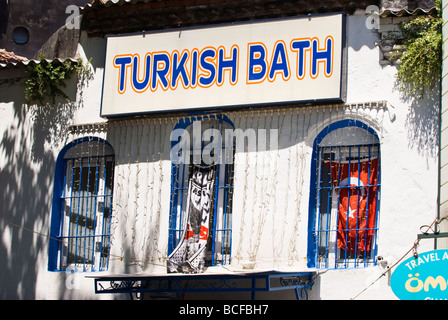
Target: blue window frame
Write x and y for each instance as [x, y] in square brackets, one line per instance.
[82, 206]
[219, 239]
[344, 197]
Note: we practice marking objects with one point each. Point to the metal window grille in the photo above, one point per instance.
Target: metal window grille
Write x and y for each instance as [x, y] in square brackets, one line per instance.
[220, 223]
[86, 207]
[348, 205]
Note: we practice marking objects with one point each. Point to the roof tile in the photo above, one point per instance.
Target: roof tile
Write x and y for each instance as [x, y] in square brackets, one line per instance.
[10, 57]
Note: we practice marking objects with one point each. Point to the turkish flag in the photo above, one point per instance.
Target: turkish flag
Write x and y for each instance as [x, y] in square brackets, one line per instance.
[203, 233]
[189, 233]
[356, 185]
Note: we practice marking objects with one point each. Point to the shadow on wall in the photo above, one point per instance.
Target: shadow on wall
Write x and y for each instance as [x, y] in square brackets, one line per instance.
[422, 123]
[359, 26]
[30, 140]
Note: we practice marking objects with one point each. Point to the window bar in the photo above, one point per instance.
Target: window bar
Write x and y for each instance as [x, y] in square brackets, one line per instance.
[81, 235]
[106, 212]
[328, 188]
[231, 196]
[176, 210]
[97, 169]
[79, 210]
[75, 180]
[339, 181]
[219, 233]
[228, 212]
[218, 221]
[172, 196]
[177, 194]
[229, 174]
[319, 186]
[183, 192]
[225, 229]
[357, 189]
[376, 198]
[232, 190]
[101, 176]
[223, 219]
[371, 229]
[363, 188]
[358, 225]
[95, 210]
[69, 220]
[226, 240]
[329, 199]
[110, 210]
[178, 202]
[215, 216]
[348, 209]
[321, 212]
[337, 207]
[88, 231]
[104, 227]
[179, 210]
[378, 186]
[63, 214]
[173, 208]
[84, 212]
[369, 181]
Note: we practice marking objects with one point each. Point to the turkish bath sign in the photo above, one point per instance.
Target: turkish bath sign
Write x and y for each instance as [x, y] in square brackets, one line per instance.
[424, 277]
[275, 61]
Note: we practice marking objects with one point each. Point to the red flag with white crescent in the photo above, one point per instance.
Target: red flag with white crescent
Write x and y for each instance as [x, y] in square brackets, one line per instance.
[356, 184]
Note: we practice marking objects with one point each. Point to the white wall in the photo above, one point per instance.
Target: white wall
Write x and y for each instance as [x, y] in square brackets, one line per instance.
[270, 226]
[409, 167]
[443, 243]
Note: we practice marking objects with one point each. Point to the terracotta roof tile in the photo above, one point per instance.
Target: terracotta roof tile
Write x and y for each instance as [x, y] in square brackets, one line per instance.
[124, 16]
[10, 57]
[406, 12]
[10, 60]
[101, 17]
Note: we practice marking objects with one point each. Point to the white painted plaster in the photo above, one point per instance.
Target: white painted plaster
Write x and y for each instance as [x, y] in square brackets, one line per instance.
[270, 224]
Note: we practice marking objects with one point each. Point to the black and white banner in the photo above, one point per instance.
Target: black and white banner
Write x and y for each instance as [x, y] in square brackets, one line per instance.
[189, 255]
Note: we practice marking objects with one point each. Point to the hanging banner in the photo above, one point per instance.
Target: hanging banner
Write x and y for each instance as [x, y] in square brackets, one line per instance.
[189, 255]
[356, 182]
[298, 59]
[424, 277]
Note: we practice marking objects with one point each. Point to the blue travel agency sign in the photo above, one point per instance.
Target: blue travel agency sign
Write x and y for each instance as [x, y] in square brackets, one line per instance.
[422, 278]
[276, 61]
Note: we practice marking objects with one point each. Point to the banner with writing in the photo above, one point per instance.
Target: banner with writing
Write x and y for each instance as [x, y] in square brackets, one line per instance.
[189, 255]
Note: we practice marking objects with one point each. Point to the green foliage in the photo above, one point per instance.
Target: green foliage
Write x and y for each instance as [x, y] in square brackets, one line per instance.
[46, 80]
[420, 70]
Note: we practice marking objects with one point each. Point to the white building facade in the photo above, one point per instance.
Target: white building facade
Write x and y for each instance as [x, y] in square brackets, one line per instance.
[331, 193]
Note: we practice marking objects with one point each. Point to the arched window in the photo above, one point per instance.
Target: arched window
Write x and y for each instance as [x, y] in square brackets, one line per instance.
[200, 227]
[344, 197]
[82, 206]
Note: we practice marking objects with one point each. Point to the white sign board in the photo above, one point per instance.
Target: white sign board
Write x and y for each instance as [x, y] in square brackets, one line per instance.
[276, 61]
